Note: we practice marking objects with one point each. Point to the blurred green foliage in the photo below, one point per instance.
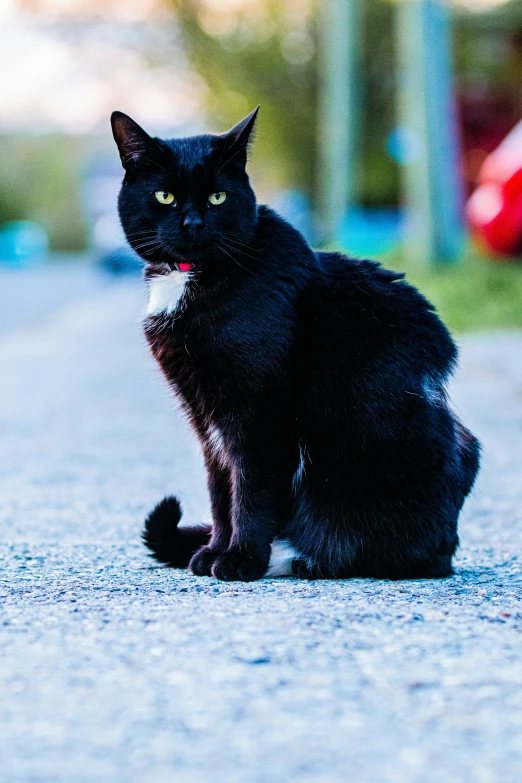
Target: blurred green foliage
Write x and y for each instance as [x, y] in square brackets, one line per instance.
[478, 293]
[265, 51]
[40, 180]
[260, 53]
[487, 48]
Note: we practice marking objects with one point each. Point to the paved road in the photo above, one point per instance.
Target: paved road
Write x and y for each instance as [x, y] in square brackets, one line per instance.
[28, 295]
[112, 669]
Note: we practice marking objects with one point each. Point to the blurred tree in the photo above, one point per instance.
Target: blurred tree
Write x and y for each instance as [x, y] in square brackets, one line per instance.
[379, 180]
[39, 178]
[253, 52]
[265, 51]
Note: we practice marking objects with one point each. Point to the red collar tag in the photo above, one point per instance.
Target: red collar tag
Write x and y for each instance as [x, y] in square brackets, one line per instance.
[184, 266]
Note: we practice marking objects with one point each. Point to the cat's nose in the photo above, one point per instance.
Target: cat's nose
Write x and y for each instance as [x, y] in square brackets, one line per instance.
[192, 222]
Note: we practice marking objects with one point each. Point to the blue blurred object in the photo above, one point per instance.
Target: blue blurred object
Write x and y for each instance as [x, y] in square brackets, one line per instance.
[101, 185]
[404, 145]
[371, 232]
[294, 207]
[23, 244]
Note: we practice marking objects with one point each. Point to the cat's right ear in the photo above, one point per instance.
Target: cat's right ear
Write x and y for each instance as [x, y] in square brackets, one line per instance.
[134, 144]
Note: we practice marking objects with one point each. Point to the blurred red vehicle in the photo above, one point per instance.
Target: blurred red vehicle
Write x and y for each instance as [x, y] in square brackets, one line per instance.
[495, 208]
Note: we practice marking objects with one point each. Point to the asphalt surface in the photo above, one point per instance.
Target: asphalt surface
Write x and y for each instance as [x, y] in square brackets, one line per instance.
[27, 296]
[113, 669]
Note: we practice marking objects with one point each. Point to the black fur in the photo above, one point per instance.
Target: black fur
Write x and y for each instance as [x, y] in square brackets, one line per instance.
[322, 377]
[171, 544]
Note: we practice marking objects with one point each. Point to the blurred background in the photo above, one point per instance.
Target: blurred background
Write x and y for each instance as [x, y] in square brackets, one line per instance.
[388, 128]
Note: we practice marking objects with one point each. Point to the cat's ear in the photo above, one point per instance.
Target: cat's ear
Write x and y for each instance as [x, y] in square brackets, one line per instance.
[134, 144]
[239, 137]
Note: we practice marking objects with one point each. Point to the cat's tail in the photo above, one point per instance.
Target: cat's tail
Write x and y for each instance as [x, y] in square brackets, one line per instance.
[169, 543]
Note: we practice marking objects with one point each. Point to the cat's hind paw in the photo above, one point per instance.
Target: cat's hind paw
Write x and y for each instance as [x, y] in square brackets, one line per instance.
[239, 566]
[304, 570]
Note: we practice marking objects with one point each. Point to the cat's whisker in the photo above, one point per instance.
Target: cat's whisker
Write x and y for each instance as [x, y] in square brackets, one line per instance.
[147, 243]
[146, 250]
[120, 254]
[139, 241]
[145, 239]
[238, 250]
[223, 250]
[142, 234]
[240, 242]
[235, 242]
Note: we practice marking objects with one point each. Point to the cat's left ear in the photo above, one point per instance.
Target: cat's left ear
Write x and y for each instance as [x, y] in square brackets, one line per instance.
[134, 144]
[240, 137]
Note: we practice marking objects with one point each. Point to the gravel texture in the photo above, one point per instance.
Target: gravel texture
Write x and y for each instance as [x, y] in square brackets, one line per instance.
[113, 669]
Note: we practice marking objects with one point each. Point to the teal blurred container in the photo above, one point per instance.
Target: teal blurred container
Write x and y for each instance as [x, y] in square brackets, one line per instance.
[366, 232]
[23, 244]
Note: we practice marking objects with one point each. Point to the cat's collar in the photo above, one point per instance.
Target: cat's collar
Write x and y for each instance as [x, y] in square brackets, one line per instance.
[184, 266]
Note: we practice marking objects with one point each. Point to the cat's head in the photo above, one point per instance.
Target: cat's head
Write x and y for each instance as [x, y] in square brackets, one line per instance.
[185, 202]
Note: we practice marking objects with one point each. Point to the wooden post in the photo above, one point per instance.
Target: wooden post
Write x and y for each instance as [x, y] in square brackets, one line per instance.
[338, 112]
[432, 179]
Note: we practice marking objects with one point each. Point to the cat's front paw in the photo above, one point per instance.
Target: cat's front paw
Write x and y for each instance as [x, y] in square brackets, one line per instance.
[239, 566]
[202, 561]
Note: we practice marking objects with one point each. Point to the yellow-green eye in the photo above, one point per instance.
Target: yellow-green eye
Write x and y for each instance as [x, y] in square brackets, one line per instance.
[217, 198]
[164, 197]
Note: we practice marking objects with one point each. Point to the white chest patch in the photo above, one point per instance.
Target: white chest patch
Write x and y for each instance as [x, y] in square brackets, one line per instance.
[165, 291]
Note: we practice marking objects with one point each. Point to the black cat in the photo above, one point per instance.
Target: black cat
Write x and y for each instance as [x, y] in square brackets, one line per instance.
[315, 382]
